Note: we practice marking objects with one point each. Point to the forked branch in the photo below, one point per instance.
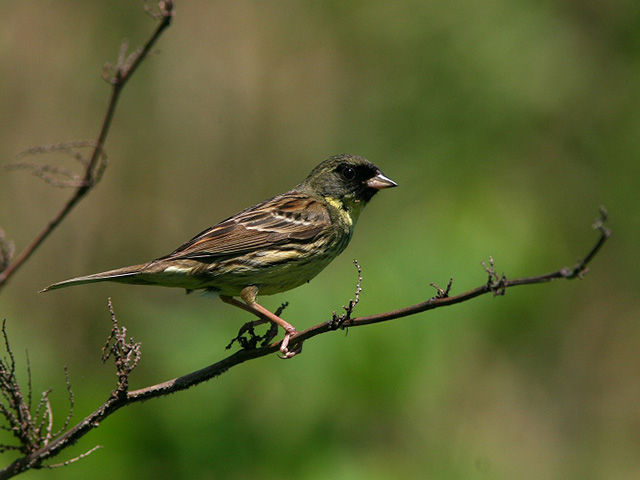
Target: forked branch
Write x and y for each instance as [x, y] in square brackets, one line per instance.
[127, 353]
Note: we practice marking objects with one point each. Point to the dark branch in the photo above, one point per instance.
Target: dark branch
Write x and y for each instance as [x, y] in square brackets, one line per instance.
[495, 284]
[126, 352]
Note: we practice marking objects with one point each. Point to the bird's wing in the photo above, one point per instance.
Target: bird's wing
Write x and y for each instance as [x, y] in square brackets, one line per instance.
[292, 216]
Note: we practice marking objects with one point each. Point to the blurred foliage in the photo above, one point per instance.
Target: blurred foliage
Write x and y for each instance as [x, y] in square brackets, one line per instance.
[506, 125]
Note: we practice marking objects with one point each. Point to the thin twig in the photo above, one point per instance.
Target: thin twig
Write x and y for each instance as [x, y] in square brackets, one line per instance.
[126, 354]
[67, 420]
[75, 459]
[442, 293]
[342, 321]
[56, 175]
[123, 72]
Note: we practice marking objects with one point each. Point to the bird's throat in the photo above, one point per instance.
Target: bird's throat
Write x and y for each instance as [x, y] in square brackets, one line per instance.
[348, 208]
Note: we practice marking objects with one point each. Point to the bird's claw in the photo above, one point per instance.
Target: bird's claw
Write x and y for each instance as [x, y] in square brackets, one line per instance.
[284, 350]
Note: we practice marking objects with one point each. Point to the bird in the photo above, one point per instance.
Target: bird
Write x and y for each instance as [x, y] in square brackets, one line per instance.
[269, 248]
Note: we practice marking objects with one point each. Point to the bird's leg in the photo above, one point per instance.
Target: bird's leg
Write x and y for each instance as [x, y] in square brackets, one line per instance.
[248, 294]
[289, 329]
[246, 308]
[253, 340]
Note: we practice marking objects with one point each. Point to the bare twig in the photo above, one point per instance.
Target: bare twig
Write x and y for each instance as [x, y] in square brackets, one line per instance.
[341, 321]
[126, 354]
[32, 430]
[14, 407]
[67, 420]
[75, 459]
[442, 293]
[117, 78]
[496, 283]
[60, 176]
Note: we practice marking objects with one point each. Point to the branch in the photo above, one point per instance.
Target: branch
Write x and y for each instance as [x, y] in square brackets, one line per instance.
[127, 353]
[117, 76]
[496, 284]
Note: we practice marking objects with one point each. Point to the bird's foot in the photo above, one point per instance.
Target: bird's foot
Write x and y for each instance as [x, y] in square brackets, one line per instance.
[284, 345]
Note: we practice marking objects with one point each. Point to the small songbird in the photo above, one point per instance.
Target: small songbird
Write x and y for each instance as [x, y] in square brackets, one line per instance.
[269, 248]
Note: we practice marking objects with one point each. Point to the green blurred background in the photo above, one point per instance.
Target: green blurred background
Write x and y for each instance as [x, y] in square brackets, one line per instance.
[506, 125]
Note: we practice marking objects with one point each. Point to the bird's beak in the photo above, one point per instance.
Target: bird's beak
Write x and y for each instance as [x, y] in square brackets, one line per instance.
[380, 181]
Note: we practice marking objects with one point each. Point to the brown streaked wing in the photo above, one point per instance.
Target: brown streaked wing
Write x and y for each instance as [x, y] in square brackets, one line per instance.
[290, 216]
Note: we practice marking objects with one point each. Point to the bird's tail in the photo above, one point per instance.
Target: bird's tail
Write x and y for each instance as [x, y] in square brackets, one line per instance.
[121, 275]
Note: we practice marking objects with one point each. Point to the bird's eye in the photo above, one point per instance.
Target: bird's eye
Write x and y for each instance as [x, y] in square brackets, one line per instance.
[348, 173]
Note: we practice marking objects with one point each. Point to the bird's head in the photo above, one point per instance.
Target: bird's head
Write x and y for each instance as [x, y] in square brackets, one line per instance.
[347, 179]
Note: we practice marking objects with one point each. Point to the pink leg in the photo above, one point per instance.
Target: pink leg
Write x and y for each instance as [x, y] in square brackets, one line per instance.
[248, 295]
[246, 308]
